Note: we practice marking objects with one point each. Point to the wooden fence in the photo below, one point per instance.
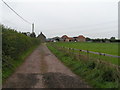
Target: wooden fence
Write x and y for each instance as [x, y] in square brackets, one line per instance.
[77, 52]
[98, 53]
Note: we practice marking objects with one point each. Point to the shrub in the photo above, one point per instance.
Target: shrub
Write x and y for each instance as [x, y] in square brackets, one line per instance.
[14, 44]
[97, 74]
[91, 65]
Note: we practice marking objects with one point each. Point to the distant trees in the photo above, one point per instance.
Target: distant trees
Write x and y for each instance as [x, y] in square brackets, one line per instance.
[88, 39]
[96, 40]
[24, 33]
[29, 34]
[112, 39]
[33, 35]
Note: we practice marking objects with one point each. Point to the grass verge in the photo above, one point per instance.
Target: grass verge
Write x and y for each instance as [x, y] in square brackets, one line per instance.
[108, 48]
[97, 75]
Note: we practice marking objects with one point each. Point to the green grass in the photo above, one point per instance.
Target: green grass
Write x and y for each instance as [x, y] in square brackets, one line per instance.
[97, 75]
[109, 48]
[15, 47]
[7, 72]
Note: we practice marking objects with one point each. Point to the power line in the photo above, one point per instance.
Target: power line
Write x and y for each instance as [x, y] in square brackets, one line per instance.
[15, 12]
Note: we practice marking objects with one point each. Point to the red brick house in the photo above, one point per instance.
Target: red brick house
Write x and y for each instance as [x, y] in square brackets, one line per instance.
[67, 39]
[80, 38]
[64, 37]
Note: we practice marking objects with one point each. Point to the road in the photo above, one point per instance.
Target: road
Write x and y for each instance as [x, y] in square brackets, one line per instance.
[42, 69]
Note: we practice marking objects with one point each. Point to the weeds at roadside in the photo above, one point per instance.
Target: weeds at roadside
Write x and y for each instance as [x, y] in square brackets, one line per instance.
[97, 75]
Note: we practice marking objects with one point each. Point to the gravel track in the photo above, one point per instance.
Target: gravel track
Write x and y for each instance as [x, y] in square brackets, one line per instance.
[42, 69]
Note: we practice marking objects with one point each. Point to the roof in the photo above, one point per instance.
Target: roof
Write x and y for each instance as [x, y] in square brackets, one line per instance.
[72, 38]
[64, 36]
[81, 36]
[41, 34]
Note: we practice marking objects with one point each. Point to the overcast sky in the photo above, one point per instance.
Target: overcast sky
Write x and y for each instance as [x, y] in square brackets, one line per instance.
[91, 18]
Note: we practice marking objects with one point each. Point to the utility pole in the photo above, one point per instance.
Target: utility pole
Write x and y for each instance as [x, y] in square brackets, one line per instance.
[33, 28]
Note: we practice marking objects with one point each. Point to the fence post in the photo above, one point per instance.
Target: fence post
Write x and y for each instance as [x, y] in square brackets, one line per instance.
[73, 52]
[99, 55]
[62, 48]
[79, 53]
[69, 50]
[88, 54]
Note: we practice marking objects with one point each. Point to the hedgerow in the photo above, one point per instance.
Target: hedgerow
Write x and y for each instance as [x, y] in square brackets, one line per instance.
[14, 45]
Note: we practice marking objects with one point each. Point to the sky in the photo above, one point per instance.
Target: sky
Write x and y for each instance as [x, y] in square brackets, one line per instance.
[91, 18]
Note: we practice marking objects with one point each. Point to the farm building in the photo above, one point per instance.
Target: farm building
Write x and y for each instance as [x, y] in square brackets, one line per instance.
[67, 39]
[42, 37]
[80, 38]
[64, 36]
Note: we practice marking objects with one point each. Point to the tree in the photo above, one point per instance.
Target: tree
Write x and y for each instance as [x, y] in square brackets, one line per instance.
[112, 39]
[33, 35]
[24, 33]
[97, 40]
[103, 40]
[88, 39]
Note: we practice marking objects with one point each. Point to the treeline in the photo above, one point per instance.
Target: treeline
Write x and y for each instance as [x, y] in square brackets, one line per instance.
[14, 44]
[112, 39]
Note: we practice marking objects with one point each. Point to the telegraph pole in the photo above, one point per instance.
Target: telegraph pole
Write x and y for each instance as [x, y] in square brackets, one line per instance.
[33, 28]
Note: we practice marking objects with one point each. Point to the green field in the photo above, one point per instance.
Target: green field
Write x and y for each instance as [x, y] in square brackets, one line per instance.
[95, 74]
[108, 48]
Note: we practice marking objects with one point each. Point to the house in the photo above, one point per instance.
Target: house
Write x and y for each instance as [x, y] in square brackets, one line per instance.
[67, 39]
[42, 37]
[64, 37]
[70, 39]
[75, 39]
[80, 38]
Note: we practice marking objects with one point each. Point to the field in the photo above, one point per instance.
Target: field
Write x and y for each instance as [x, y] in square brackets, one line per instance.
[108, 48]
[98, 75]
